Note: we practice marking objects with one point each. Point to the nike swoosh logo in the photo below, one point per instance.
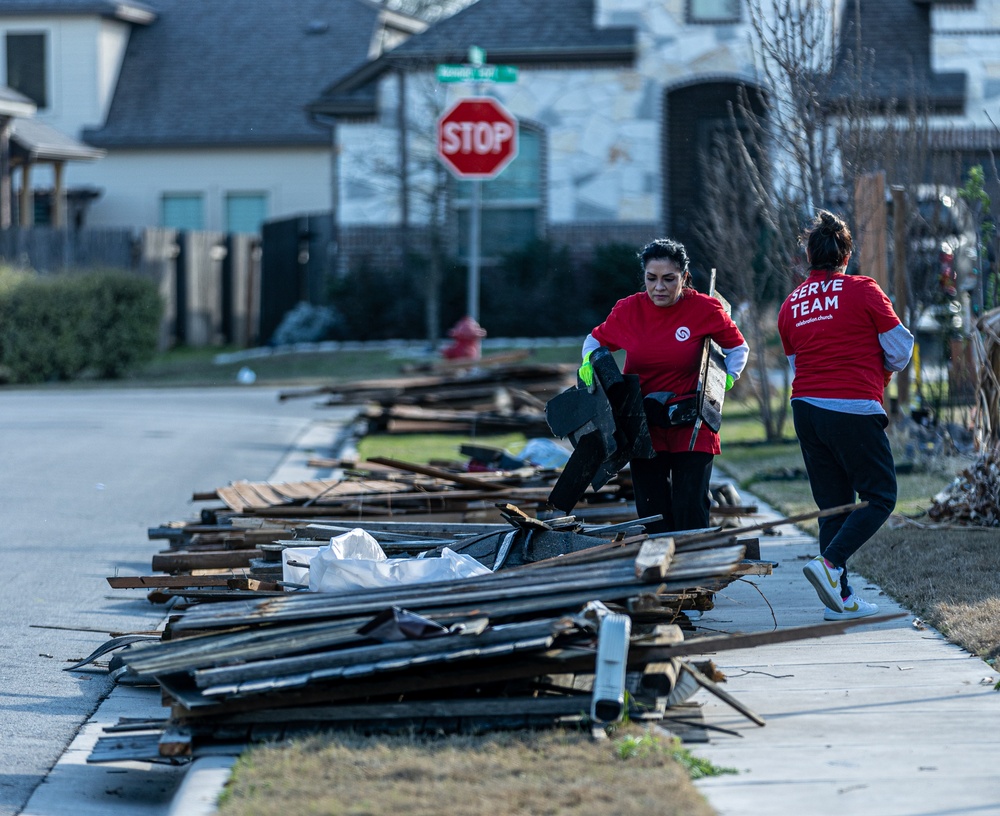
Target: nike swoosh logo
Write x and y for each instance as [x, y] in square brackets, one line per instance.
[833, 582]
[851, 608]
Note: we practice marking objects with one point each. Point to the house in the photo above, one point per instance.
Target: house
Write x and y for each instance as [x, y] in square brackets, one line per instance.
[196, 107]
[12, 105]
[616, 99]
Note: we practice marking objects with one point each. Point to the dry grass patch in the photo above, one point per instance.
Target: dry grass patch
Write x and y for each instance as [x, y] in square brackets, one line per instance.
[947, 576]
[500, 774]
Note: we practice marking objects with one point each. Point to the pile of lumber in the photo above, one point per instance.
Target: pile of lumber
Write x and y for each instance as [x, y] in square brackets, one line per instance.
[537, 642]
[511, 648]
[243, 554]
[484, 396]
[383, 487]
[973, 498]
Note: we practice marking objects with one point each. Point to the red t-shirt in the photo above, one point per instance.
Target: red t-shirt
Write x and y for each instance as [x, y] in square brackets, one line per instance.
[663, 347]
[832, 327]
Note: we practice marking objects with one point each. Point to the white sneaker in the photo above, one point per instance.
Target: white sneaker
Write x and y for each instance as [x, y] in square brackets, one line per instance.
[826, 582]
[854, 607]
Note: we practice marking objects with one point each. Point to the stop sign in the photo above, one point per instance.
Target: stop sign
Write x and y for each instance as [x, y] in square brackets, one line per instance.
[477, 138]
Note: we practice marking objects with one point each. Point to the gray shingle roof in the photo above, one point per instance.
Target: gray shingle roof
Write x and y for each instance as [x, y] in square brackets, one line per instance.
[132, 11]
[522, 29]
[233, 72]
[898, 33]
[517, 32]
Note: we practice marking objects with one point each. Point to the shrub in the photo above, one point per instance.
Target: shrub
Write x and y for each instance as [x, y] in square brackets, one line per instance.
[377, 303]
[124, 321]
[58, 328]
[532, 294]
[613, 272]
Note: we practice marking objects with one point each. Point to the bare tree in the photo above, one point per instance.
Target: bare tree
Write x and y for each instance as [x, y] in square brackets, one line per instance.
[420, 184]
[739, 226]
[772, 171]
[818, 126]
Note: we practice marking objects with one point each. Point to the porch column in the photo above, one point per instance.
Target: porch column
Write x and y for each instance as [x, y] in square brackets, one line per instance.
[5, 186]
[58, 196]
[27, 203]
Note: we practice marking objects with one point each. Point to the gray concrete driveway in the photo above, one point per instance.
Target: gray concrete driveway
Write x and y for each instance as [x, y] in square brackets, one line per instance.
[84, 475]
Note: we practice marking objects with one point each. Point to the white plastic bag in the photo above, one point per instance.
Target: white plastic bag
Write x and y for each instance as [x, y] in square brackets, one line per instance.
[355, 561]
[296, 561]
[295, 556]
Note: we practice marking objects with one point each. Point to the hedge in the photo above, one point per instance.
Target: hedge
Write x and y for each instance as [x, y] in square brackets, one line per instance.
[102, 324]
[535, 291]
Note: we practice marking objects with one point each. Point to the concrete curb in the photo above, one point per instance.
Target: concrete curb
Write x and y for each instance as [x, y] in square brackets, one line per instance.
[203, 783]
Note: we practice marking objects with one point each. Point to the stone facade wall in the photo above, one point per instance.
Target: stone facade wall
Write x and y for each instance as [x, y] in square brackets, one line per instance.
[606, 135]
[603, 126]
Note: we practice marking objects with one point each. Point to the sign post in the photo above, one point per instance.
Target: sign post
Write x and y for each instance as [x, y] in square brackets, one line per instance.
[476, 140]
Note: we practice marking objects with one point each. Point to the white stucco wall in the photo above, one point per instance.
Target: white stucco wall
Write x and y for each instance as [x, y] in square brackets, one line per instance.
[82, 55]
[133, 182]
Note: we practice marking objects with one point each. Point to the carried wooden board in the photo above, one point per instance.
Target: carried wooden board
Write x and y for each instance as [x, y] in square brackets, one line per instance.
[711, 378]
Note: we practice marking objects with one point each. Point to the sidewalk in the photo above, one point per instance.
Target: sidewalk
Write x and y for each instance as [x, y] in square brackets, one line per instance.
[888, 719]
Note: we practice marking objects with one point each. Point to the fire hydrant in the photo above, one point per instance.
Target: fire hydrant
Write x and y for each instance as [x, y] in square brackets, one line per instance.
[468, 336]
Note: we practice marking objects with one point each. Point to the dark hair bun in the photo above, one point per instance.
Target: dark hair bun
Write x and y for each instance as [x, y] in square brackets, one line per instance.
[827, 240]
[829, 225]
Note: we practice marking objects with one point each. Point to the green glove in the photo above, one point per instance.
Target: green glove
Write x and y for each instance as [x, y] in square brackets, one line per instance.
[586, 371]
[729, 381]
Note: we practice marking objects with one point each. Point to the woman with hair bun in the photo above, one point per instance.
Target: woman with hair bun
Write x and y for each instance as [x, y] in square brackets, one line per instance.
[843, 341]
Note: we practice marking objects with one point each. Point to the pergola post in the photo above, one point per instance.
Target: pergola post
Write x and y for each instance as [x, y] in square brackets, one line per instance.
[27, 205]
[5, 186]
[58, 196]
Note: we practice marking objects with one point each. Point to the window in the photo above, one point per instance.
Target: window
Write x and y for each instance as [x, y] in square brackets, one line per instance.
[713, 11]
[510, 203]
[26, 66]
[184, 211]
[245, 212]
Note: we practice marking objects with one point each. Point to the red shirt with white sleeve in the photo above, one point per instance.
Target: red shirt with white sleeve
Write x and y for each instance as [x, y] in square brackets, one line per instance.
[663, 347]
[832, 323]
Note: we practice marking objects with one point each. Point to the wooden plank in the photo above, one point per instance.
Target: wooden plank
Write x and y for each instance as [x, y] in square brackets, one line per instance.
[267, 494]
[169, 581]
[653, 560]
[130, 748]
[713, 688]
[175, 741]
[438, 473]
[481, 707]
[232, 499]
[185, 562]
[249, 497]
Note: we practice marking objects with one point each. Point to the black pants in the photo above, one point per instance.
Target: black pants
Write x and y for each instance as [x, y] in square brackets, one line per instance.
[844, 455]
[674, 485]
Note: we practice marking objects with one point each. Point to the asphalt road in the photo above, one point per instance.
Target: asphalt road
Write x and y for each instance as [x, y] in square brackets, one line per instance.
[84, 475]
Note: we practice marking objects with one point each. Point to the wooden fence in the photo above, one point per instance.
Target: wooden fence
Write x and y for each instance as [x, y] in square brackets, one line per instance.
[209, 281]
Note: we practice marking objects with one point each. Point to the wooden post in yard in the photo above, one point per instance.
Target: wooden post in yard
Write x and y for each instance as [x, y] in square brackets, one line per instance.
[870, 215]
[901, 281]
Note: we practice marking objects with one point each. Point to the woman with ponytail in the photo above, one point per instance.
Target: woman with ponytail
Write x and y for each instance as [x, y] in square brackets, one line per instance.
[843, 341]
